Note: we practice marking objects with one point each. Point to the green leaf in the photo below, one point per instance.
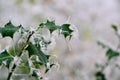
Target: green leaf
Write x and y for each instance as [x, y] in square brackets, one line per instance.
[35, 50]
[9, 30]
[66, 31]
[37, 64]
[65, 28]
[50, 25]
[111, 54]
[100, 76]
[115, 27]
[24, 68]
[5, 56]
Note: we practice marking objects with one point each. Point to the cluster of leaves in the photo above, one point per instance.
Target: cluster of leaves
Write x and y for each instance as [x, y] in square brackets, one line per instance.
[110, 55]
[64, 29]
[26, 52]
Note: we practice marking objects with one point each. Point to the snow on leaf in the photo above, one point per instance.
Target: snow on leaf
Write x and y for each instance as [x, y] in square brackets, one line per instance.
[6, 58]
[50, 25]
[9, 29]
[35, 50]
[66, 31]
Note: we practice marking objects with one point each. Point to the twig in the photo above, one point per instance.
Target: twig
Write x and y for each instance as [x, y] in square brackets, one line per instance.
[14, 65]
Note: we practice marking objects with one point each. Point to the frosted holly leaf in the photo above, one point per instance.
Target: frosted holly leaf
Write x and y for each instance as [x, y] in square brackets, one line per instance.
[5, 58]
[66, 31]
[50, 25]
[111, 54]
[9, 29]
[35, 50]
[65, 28]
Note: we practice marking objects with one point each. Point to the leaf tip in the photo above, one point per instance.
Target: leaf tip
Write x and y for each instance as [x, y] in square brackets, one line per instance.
[115, 27]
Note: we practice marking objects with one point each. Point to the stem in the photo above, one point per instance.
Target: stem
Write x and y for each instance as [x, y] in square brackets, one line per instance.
[14, 65]
[106, 65]
[10, 74]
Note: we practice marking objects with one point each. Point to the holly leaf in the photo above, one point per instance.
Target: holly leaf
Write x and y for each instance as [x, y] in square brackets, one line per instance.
[100, 76]
[50, 25]
[65, 28]
[9, 30]
[66, 31]
[35, 50]
[5, 57]
[115, 27]
[111, 54]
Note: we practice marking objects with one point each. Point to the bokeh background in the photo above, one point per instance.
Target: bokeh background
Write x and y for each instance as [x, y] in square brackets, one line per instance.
[92, 20]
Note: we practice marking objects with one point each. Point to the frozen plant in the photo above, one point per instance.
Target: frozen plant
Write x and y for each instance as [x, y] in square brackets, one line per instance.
[28, 54]
[112, 56]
